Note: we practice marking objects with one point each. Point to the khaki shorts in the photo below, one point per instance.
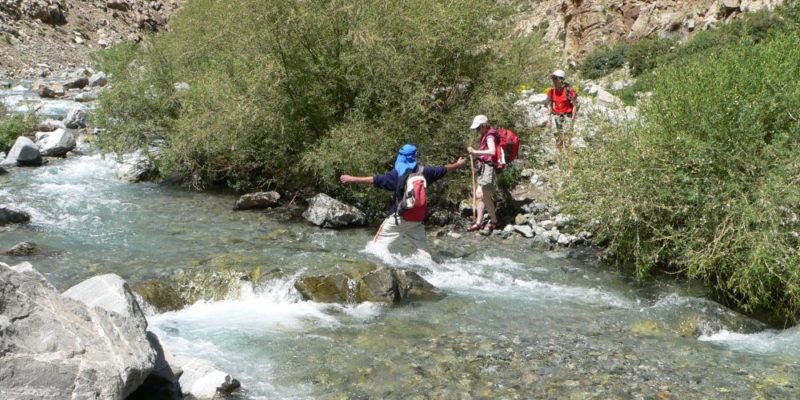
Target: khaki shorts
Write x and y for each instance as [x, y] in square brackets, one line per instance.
[560, 123]
[487, 177]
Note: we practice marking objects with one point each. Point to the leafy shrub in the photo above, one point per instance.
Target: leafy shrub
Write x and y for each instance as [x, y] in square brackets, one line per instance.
[707, 185]
[644, 55]
[604, 60]
[13, 126]
[292, 94]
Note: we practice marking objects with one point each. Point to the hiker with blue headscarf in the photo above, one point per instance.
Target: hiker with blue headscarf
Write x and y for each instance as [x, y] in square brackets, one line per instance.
[408, 180]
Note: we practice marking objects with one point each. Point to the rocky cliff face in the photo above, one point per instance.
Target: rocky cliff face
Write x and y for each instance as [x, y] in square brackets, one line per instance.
[576, 27]
[41, 36]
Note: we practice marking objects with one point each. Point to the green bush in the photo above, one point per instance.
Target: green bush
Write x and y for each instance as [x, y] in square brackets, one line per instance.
[289, 95]
[707, 186]
[13, 126]
[645, 54]
[604, 60]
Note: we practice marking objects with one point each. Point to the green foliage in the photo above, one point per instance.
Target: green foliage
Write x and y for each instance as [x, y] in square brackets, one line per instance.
[645, 54]
[291, 94]
[13, 126]
[707, 185]
[604, 60]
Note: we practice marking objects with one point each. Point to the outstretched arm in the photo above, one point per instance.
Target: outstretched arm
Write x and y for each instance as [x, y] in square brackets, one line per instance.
[456, 165]
[363, 180]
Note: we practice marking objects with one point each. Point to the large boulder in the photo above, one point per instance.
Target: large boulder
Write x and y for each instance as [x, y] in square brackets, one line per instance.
[54, 347]
[135, 167]
[257, 200]
[55, 144]
[327, 212]
[76, 82]
[24, 153]
[109, 292]
[203, 380]
[378, 285]
[13, 215]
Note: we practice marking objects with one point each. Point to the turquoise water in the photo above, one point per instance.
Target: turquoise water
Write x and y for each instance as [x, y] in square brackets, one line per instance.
[517, 322]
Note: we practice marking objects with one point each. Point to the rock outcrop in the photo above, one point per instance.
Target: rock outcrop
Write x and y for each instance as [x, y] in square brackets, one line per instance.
[54, 347]
[578, 26]
[327, 212]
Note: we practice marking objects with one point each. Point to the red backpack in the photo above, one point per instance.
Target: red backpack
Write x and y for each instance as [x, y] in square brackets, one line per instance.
[507, 148]
[414, 205]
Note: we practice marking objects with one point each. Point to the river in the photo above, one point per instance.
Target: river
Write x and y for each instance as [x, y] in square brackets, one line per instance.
[517, 322]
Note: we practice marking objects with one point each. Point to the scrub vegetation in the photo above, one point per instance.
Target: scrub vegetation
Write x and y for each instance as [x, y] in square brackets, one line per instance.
[289, 95]
[707, 184]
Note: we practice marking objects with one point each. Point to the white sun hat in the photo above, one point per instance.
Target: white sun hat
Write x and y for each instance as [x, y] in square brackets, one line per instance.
[478, 121]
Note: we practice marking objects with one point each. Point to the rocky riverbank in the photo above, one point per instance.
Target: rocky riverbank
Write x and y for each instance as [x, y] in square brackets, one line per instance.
[89, 342]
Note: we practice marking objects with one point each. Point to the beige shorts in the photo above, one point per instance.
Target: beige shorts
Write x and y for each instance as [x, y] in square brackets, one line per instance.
[487, 177]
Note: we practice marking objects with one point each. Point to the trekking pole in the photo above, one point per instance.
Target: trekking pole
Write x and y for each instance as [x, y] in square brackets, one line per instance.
[472, 169]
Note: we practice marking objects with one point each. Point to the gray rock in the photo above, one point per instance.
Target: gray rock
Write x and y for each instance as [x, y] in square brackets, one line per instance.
[565, 240]
[98, 79]
[379, 286]
[202, 379]
[76, 118]
[539, 98]
[374, 284]
[120, 5]
[85, 97]
[334, 288]
[525, 230]
[56, 348]
[24, 153]
[51, 90]
[55, 144]
[50, 125]
[562, 220]
[109, 292]
[13, 215]
[257, 200]
[412, 287]
[20, 249]
[77, 82]
[327, 212]
[135, 167]
[181, 86]
[547, 224]
[607, 99]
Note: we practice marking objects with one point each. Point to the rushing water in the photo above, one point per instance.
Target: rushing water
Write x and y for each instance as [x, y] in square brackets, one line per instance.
[516, 322]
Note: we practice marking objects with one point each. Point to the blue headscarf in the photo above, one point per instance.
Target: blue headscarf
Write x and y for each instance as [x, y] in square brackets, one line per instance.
[406, 159]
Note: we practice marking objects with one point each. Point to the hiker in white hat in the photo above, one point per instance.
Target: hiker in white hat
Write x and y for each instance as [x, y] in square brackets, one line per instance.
[562, 103]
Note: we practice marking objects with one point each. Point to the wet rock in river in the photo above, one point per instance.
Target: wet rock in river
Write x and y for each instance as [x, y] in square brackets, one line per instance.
[20, 249]
[335, 288]
[13, 215]
[76, 118]
[327, 212]
[162, 295]
[379, 285]
[202, 380]
[55, 144]
[135, 167]
[257, 200]
[51, 90]
[24, 153]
